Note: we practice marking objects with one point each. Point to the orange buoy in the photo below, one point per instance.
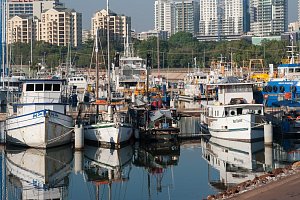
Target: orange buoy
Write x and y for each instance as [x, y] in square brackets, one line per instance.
[287, 95]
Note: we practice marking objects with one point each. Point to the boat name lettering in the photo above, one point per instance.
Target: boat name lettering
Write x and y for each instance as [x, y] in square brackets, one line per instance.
[38, 114]
[52, 114]
[237, 121]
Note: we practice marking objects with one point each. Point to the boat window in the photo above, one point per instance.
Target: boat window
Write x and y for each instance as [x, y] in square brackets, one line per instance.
[291, 70]
[297, 69]
[39, 87]
[48, 87]
[239, 111]
[30, 87]
[56, 87]
[232, 112]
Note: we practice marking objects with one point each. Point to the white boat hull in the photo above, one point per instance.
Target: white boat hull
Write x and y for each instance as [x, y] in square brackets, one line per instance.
[108, 133]
[41, 129]
[239, 128]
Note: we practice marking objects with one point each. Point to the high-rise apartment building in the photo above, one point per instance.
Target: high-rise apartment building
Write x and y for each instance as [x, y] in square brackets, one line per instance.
[187, 16]
[60, 26]
[298, 10]
[223, 17]
[119, 25]
[164, 16]
[20, 28]
[30, 7]
[2, 32]
[175, 16]
[268, 17]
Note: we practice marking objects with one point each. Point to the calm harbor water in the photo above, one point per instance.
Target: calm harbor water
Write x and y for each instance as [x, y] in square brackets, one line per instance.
[190, 170]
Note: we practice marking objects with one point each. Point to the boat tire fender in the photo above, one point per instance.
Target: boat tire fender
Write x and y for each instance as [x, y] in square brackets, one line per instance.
[269, 88]
[281, 89]
[275, 88]
[293, 89]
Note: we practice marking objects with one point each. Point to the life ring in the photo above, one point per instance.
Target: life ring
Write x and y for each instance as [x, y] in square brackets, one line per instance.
[281, 89]
[293, 89]
[275, 88]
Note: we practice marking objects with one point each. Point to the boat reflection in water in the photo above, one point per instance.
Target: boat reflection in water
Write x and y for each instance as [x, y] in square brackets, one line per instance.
[236, 161]
[157, 158]
[286, 152]
[38, 173]
[107, 168]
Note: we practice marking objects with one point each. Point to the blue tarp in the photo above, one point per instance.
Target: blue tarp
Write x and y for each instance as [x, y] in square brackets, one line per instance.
[289, 103]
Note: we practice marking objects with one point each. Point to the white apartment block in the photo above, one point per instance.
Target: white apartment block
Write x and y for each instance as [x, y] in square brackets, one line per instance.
[119, 25]
[174, 16]
[298, 10]
[222, 17]
[294, 27]
[60, 26]
[19, 29]
[268, 17]
[187, 16]
[30, 7]
[163, 35]
[164, 16]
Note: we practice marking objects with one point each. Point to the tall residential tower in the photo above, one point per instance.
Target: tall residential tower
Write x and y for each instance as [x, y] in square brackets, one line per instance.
[268, 17]
[223, 17]
[175, 16]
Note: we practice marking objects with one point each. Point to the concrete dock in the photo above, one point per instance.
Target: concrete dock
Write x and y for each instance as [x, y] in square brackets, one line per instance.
[286, 188]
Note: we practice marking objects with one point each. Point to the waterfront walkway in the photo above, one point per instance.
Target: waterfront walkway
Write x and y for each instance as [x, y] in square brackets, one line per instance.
[286, 188]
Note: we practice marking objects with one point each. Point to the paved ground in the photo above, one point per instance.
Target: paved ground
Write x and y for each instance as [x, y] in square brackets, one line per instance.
[287, 188]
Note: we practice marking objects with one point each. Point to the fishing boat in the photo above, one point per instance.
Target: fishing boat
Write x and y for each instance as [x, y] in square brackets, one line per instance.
[234, 115]
[111, 128]
[129, 71]
[283, 85]
[39, 118]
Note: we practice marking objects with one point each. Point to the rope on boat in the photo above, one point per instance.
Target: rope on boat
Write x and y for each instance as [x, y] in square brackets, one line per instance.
[59, 137]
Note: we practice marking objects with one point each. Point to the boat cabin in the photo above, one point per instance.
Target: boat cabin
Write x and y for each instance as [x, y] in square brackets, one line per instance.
[234, 110]
[228, 91]
[42, 94]
[79, 81]
[287, 70]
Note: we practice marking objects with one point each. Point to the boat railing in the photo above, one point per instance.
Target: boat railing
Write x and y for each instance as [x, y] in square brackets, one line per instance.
[41, 98]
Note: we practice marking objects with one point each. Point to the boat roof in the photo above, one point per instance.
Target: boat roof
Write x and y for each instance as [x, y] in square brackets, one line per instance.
[42, 80]
[236, 105]
[131, 58]
[289, 65]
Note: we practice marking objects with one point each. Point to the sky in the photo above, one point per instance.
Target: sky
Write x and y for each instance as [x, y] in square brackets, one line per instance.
[140, 11]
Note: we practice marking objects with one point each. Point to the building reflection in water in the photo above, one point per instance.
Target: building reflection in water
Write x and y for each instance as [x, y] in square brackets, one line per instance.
[38, 173]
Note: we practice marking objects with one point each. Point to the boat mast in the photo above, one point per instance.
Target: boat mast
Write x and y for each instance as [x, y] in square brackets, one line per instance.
[3, 38]
[97, 67]
[108, 55]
